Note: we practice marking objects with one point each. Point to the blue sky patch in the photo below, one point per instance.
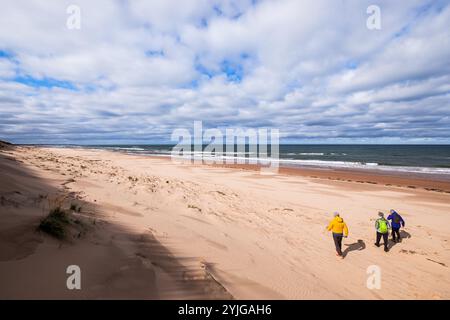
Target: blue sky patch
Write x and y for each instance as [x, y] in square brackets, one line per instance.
[233, 71]
[44, 83]
[5, 54]
[154, 53]
[352, 65]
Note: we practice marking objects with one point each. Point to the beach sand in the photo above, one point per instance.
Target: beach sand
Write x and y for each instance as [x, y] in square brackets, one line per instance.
[155, 229]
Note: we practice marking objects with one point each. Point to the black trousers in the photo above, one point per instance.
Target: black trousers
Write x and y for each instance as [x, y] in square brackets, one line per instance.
[385, 239]
[396, 232]
[337, 237]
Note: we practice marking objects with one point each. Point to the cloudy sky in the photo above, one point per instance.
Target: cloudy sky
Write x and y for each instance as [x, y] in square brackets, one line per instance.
[136, 70]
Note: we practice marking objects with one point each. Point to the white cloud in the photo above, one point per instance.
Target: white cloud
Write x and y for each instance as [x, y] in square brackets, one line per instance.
[138, 69]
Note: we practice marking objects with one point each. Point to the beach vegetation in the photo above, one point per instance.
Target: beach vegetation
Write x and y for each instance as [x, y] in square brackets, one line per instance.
[74, 207]
[55, 223]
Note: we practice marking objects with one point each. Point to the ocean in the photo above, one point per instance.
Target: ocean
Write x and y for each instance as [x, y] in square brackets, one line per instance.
[433, 159]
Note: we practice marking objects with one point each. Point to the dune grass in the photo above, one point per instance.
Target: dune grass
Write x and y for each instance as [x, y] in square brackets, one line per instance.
[56, 223]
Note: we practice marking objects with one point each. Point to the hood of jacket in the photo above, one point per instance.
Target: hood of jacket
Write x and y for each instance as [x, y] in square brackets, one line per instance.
[338, 219]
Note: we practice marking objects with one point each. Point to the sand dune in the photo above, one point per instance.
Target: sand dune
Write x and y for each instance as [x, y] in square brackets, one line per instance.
[157, 229]
[116, 261]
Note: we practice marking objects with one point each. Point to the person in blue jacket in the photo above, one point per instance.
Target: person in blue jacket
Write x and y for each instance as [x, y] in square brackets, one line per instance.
[396, 223]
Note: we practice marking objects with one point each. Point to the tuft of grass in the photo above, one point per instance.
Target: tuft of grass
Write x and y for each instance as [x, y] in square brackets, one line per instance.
[55, 223]
[75, 208]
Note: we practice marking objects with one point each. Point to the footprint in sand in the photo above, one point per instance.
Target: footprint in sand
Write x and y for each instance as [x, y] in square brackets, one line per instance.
[408, 251]
[282, 210]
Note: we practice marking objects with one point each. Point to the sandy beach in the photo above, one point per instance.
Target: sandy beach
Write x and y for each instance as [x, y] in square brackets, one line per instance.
[146, 227]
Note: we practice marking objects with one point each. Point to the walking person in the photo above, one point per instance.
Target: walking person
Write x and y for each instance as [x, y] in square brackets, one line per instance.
[382, 226]
[396, 222]
[339, 230]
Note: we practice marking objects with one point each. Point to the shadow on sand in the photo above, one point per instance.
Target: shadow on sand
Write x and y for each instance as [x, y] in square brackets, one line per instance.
[357, 246]
[403, 235]
[120, 263]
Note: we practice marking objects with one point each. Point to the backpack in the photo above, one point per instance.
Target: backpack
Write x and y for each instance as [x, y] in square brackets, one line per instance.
[396, 219]
[382, 226]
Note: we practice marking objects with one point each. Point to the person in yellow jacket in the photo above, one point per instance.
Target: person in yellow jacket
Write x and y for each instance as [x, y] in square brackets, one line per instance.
[339, 229]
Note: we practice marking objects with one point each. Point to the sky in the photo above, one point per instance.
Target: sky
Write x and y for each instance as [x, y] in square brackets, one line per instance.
[134, 71]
